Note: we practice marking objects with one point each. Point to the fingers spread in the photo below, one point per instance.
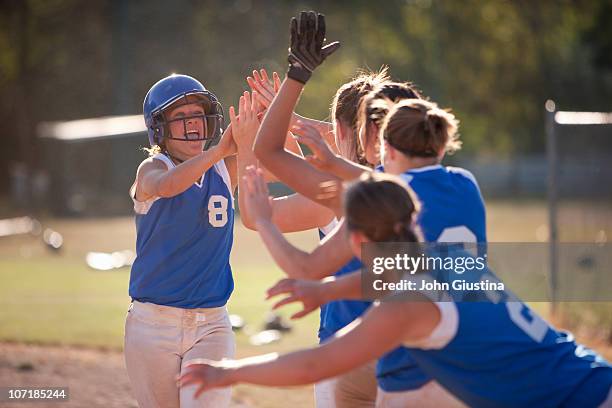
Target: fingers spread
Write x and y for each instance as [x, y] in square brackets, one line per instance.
[300, 314]
[284, 302]
[282, 286]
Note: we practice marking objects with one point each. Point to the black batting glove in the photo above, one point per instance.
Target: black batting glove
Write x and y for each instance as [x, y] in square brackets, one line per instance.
[306, 51]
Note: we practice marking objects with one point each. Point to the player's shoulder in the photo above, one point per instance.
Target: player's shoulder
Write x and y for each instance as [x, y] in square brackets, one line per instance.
[463, 173]
[158, 161]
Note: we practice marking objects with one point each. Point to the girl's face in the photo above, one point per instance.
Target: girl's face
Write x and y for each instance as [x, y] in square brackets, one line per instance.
[183, 125]
[343, 136]
[368, 137]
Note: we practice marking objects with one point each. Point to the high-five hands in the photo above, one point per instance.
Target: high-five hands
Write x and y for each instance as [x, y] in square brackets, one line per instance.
[266, 89]
[306, 51]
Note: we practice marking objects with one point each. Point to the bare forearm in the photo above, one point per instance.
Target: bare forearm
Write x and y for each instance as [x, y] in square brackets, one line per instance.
[297, 368]
[246, 158]
[346, 169]
[348, 350]
[270, 139]
[344, 287]
[181, 177]
[289, 258]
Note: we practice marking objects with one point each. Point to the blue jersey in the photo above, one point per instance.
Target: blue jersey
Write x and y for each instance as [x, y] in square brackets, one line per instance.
[337, 314]
[452, 210]
[183, 244]
[499, 353]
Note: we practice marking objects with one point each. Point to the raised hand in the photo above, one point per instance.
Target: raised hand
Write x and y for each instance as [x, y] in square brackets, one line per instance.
[323, 157]
[257, 195]
[246, 123]
[227, 144]
[266, 89]
[206, 374]
[306, 51]
[309, 293]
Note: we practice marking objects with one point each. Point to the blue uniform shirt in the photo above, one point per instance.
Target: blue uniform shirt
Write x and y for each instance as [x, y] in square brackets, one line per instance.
[452, 210]
[502, 354]
[183, 244]
[339, 313]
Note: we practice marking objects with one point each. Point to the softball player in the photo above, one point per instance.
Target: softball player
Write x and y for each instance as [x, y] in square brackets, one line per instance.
[181, 279]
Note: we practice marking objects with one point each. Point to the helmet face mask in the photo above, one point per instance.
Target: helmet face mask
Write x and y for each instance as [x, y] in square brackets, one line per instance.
[210, 118]
[175, 91]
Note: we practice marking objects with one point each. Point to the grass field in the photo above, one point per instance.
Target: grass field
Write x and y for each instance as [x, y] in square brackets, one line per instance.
[54, 298]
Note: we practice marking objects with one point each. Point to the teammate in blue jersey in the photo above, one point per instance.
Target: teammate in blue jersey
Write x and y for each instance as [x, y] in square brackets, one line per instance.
[181, 279]
[452, 211]
[296, 212]
[527, 362]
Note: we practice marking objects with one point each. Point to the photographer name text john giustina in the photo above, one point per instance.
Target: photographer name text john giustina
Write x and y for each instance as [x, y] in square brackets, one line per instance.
[410, 265]
[431, 285]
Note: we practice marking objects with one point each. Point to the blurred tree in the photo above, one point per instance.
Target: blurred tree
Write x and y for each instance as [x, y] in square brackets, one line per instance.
[493, 61]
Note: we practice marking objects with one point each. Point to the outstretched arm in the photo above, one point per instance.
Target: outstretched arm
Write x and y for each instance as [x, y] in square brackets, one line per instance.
[293, 213]
[389, 323]
[333, 252]
[287, 167]
[314, 294]
[305, 54]
[323, 158]
[153, 179]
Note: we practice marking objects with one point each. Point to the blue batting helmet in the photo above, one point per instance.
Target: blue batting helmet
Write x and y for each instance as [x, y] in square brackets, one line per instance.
[168, 92]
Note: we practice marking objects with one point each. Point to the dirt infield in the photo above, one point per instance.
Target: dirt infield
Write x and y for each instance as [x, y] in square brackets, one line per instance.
[95, 378]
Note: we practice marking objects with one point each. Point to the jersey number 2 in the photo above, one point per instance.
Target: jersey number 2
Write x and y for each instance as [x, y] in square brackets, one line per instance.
[217, 211]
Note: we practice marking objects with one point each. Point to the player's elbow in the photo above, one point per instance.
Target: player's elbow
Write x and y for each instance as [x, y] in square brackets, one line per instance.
[267, 155]
[299, 269]
[261, 152]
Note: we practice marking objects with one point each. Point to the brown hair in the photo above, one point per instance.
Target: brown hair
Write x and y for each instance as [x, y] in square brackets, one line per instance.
[346, 101]
[371, 110]
[419, 128]
[383, 208]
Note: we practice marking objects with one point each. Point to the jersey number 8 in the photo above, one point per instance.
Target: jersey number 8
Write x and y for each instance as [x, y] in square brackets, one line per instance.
[217, 211]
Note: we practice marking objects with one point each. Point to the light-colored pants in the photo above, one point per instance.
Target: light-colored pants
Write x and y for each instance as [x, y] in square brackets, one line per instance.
[355, 389]
[430, 395]
[324, 393]
[159, 340]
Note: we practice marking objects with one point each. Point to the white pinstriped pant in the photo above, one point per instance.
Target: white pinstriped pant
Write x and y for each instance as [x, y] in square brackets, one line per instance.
[160, 339]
